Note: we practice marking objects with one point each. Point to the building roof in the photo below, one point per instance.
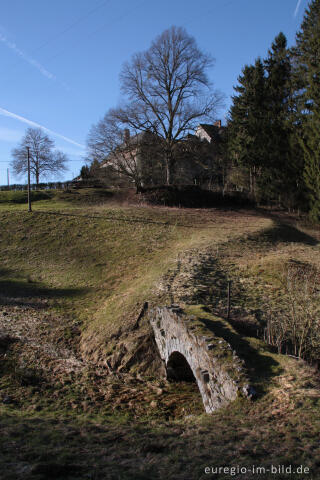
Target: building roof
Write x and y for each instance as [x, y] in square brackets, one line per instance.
[214, 131]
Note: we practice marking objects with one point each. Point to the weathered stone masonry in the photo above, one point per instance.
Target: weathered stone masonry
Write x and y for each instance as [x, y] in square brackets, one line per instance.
[216, 368]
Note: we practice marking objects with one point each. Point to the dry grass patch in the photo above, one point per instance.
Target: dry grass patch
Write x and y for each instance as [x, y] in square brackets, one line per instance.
[76, 274]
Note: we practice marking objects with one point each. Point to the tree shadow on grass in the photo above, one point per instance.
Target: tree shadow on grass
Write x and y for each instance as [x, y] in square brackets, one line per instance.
[260, 367]
[24, 292]
[61, 449]
[284, 233]
[211, 287]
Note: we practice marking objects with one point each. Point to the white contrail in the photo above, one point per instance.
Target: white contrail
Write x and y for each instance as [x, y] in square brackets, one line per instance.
[25, 57]
[297, 8]
[6, 113]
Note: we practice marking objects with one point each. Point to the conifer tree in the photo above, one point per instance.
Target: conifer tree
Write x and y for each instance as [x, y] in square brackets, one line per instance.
[247, 122]
[307, 57]
[264, 127]
[282, 166]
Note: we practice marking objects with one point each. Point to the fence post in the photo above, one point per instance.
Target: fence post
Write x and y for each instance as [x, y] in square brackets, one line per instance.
[29, 193]
[229, 299]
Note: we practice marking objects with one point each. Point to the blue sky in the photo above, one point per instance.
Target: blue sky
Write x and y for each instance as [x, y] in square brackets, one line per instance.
[60, 61]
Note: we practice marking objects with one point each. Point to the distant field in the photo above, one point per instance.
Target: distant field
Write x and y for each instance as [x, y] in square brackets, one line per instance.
[74, 275]
[47, 197]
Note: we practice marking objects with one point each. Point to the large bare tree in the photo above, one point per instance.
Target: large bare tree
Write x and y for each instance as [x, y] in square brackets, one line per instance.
[44, 160]
[167, 92]
[126, 152]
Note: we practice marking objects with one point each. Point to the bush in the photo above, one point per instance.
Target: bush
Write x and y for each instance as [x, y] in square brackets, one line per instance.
[22, 196]
[192, 196]
[292, 325]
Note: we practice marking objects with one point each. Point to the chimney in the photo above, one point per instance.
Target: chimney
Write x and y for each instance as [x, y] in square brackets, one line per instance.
[126, 134]
[217, 124]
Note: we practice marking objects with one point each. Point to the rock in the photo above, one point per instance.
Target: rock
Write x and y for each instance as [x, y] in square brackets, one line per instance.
[205, 376]
[153, 404]
[249, 391]
[175, 306]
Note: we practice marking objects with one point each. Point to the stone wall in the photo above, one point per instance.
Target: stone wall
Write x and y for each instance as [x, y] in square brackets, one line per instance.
[217, 369]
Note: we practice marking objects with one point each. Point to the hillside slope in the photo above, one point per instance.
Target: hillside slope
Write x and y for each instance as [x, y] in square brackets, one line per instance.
[74, 279]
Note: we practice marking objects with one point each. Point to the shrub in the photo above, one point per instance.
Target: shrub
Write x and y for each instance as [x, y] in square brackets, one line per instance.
[22, 196]
[293, 324]
[192, 196]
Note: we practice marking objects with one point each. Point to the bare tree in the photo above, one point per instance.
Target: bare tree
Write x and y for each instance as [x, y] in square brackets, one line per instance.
[125, 152]
[44, 160]
[168, 91]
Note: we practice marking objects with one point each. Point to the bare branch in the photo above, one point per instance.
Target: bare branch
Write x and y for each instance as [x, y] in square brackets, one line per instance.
[43, 159]
[168, 92]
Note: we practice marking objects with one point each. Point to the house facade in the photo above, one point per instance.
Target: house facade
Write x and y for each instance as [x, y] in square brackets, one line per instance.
[140, 158]
[210, 133]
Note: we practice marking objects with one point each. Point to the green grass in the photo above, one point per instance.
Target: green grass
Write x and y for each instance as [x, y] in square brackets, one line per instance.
[281, 428]
[74, 275]
[45, 199]
[101, 262]
[21, 197]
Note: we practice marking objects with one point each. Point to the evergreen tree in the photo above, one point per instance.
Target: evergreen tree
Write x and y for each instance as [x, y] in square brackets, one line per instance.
[307, 57]
[282, 167]
[263, 128]
[85, 172]
[247, 122]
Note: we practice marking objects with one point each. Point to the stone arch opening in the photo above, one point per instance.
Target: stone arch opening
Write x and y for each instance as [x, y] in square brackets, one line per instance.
[178, 368]
[215, 370]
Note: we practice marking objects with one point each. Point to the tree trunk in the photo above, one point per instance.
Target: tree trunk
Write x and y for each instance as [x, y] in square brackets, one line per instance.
[223, 181]
[254, 178]
[139, 186]
[37, 170]
[169, 168]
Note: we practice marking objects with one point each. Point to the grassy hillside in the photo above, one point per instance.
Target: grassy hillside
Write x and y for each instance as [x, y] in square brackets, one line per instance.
[81, 392]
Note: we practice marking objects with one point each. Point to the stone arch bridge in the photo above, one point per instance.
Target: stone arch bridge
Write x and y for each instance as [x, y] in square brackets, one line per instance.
[192, 352]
